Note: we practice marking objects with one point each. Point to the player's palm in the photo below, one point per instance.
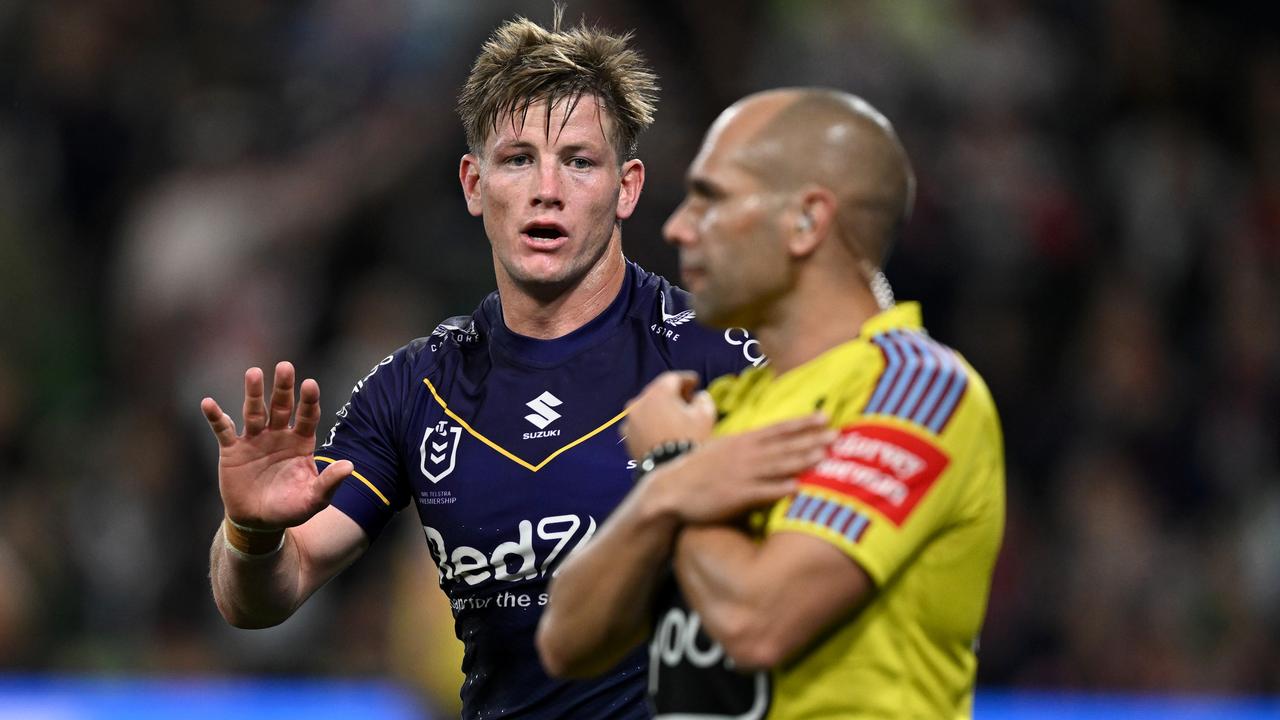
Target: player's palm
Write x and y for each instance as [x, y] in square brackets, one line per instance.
[267, 474]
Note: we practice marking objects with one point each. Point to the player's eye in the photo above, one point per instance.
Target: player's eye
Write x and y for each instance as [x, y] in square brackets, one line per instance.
[519, 160]
[580, 163]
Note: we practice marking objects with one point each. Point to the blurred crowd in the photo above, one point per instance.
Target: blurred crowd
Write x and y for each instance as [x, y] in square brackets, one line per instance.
[192, 187]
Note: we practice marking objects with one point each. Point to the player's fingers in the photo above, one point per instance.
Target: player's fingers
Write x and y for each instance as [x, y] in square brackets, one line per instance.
[331, 477]
[281, 397]
[308, 408]
[255, 409]
[223, 427]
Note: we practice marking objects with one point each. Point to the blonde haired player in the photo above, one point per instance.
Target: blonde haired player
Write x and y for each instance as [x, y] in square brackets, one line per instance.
[496, 427]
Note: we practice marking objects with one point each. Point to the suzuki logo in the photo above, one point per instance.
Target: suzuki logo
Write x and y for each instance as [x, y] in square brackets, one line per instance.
[541, 406]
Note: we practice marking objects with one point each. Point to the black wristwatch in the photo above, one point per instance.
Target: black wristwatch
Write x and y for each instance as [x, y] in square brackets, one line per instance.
[666, 452]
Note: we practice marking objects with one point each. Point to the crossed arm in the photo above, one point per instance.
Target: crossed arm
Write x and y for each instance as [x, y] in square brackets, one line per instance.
[762, 600]
[766, 601]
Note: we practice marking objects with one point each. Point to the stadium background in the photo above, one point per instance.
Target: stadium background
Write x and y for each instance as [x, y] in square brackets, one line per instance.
[191, 187]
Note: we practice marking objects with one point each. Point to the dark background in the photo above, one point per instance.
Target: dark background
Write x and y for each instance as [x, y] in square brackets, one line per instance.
[191, 187]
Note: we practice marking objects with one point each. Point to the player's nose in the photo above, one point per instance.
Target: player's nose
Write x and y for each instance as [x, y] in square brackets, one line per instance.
[548, 190]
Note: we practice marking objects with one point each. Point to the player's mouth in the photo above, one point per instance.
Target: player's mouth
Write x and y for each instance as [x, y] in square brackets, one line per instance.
[544, 235]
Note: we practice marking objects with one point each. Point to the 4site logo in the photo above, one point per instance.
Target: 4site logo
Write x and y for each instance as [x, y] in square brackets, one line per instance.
[670, 321]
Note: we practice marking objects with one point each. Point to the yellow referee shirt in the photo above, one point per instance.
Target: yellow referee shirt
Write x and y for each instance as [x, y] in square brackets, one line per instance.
[912, 491]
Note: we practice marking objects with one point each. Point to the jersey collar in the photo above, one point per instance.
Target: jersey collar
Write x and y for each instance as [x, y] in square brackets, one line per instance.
[549, 353]
[903, 316]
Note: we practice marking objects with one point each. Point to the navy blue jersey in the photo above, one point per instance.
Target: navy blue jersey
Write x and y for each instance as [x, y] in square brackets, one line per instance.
[508, 447]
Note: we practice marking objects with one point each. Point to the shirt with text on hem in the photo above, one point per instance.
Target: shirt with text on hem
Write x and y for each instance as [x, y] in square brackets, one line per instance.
[912, 491]
[508, 448]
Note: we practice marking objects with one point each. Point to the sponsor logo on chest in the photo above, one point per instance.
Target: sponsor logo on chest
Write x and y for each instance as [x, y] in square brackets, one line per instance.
[543, 416]
[514, 559]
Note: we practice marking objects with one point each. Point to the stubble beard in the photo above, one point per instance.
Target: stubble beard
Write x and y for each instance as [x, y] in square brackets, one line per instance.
[571, 273]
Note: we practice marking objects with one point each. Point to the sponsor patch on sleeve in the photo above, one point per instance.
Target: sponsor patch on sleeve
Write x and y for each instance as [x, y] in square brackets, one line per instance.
[886, 468]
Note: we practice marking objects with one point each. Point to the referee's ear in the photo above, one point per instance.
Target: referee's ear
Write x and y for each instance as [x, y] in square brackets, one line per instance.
[813, 221]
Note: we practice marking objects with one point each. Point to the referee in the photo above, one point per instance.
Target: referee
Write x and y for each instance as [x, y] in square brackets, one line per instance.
[788, 563]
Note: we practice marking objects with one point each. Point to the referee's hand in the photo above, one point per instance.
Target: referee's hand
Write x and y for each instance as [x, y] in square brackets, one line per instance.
[729, 475]
[669, 408]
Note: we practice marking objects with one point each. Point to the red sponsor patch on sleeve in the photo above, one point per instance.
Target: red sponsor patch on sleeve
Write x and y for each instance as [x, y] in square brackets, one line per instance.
[884, 467]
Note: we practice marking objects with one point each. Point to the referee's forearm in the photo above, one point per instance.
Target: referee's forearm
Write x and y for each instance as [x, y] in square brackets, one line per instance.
[599, 600]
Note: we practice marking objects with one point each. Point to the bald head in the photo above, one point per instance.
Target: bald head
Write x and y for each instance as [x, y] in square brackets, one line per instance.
[796, 137]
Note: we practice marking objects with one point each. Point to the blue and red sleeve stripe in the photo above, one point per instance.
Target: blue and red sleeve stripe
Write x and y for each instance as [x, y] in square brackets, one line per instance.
[834, 516]
[923, 381]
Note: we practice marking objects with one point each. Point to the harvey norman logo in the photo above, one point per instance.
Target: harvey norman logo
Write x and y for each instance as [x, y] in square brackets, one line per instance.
[543, 415]
[889, 469]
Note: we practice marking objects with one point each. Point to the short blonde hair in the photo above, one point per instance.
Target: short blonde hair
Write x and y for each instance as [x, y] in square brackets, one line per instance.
[523, 63]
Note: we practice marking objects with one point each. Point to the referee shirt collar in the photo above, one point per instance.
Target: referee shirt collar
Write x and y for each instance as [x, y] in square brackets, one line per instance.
[903, 316]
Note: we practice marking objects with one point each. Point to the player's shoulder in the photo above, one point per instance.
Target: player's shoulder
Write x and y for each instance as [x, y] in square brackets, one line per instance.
[657, 300]
[458, 333]
[419, 357]
[671, 323]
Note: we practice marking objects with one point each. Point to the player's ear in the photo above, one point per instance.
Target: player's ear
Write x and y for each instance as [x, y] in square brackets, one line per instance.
[814, 220]
[632, 182]
[469, 176]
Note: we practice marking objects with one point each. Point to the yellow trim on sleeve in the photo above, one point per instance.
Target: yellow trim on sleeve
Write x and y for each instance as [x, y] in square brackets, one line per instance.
[507, 453]
[362, 479]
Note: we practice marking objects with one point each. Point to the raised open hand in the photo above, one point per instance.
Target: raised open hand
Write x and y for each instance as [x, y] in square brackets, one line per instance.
[267, 474]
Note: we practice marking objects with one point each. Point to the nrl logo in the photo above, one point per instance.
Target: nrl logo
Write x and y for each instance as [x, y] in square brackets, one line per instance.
[677, 319]
[439, 450]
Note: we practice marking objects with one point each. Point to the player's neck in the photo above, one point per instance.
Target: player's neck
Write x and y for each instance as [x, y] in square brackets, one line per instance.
[804, 325]
[532, 315]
